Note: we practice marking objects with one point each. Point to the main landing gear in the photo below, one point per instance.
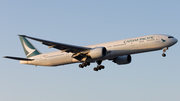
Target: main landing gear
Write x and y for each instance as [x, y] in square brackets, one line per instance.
[99, 66]
[164, 50]
[84, 64]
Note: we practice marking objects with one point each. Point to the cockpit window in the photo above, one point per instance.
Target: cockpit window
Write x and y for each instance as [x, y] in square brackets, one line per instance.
[170, 37]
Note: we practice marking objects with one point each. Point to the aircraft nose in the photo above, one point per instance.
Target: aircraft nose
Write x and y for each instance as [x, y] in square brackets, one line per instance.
[175, 40]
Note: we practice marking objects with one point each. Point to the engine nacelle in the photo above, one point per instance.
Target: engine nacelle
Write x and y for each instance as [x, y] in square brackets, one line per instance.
[96, 53]
[120, 60]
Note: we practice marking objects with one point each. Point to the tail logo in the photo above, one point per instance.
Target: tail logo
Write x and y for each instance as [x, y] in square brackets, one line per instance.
[29, 50]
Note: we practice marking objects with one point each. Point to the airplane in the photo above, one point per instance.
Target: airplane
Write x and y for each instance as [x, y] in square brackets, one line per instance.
[118, 52]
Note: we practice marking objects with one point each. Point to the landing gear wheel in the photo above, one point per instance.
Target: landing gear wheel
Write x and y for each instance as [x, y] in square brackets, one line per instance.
[164, 50]
[81, 66]
[164, 55]
[85, 65]
[95, 69]
[102, 67]
[88, 63]
[99, 68]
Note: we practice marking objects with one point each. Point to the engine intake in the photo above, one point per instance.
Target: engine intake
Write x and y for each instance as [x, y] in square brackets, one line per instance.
[120, 60]
[99, 52]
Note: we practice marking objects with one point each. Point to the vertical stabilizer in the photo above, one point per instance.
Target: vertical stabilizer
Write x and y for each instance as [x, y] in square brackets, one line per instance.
[29, 49]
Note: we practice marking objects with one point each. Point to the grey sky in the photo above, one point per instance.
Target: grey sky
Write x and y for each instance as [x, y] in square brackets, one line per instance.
[149, 77]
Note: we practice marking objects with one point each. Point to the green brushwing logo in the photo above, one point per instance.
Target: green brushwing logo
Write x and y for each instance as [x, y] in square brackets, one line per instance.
[29, 49]
[163, 40]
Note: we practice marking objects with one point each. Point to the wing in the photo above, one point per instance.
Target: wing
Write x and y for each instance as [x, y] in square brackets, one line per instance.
[61, 46]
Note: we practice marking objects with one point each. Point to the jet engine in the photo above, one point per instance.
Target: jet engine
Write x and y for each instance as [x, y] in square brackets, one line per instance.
[98, 52]
[120, 60]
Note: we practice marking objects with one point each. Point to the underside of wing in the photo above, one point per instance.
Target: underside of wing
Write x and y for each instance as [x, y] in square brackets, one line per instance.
[61, 46]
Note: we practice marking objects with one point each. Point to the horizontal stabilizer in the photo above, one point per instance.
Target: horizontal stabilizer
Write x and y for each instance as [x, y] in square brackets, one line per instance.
[18, 58]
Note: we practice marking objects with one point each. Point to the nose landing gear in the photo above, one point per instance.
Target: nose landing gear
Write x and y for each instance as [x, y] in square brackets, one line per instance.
[164, 50]
[164, 55]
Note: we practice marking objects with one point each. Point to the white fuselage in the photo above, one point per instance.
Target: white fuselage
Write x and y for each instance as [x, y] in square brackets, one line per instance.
[115, 48]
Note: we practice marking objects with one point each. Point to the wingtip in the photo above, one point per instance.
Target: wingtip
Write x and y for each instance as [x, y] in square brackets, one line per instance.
[22, 35]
